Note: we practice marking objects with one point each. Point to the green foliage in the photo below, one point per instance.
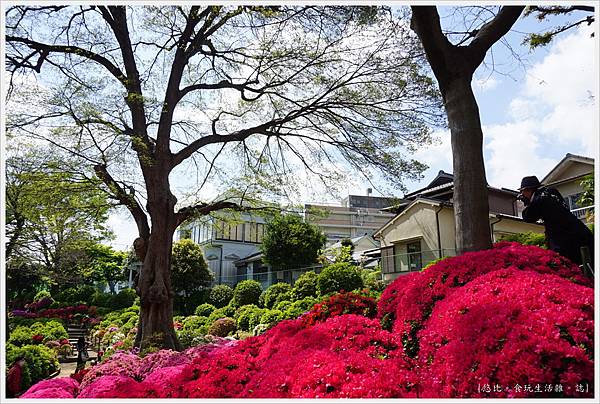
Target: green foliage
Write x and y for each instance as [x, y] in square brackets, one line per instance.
[51, 331]
[20, 336]
[41, 361]
[189, 270]
[222, 327]
[189, 338]
[291, 243]
[204, 309]
[194, 322]
[81, 294]
[372, 279]
[276, 293]
[248, 317]
[52, 216]
[305, 286]
[246, 292]
[271, 317]
[227, 311]
[41, 295]
[528, 238]
[587, 196]
[339, 277]
[103, 264]
[295, 309]
[220, 295]
[125, 298]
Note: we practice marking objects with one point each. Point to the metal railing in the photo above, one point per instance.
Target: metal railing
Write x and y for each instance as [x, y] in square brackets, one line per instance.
[395, 264]
[270, 277]
[580, 213]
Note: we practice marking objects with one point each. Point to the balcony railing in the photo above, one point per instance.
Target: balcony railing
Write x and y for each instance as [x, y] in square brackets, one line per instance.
[580, 213]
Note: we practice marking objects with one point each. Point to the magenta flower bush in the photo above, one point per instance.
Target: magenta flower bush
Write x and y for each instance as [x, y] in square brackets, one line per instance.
[511, 317]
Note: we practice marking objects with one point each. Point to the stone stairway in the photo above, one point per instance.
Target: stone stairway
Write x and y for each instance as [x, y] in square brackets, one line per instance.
[75, 331]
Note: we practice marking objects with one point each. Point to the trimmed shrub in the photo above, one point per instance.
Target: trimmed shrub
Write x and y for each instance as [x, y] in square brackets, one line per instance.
[123, 299]
[305, 286]
[204, 309]
[220, 296]
[222, 327]
[41, 360]
[246, 292]
[271, 317]
[20, 336]
[297, 308]
[75, 295]
[227, 311]
[51, 331]
[276, 293]
[339, 277]
[194, 322]
[248, 317]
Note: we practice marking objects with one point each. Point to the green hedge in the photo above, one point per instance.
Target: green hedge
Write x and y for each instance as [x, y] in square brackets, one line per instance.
[248, 317]
[220, 296]
[246, 292]
[339, 277]
[305, 286]
[276, 293]
[41, 362]
[204, 309]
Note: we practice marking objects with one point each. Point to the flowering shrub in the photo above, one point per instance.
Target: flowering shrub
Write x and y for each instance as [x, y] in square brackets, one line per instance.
[512, 316]
[540, 332]
[62, 387]
[410, 299]
[79, 375]
[341, 303]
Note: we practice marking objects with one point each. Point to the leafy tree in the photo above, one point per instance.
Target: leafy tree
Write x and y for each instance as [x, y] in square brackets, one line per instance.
[104, 264]
[244, 95]
[291, 243]
[52, 217]
[542, 12]
[189, 270]
[587, 198]
[453, 65]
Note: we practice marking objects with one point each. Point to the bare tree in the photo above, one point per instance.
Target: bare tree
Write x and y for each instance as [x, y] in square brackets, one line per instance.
[230, 94]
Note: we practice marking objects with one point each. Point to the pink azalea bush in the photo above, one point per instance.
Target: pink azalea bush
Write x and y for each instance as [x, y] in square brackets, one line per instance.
[510, 316]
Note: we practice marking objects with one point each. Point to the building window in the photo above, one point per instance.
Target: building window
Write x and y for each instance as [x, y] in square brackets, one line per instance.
[415, 260]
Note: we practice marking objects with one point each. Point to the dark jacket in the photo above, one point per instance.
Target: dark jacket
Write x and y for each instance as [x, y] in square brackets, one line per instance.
[565, 234]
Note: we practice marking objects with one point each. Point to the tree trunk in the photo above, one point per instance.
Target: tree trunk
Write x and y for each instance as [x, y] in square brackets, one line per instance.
[155, 327]
[471, 206]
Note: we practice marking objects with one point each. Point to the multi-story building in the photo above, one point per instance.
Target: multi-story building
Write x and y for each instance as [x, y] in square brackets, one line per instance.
[224, 242]
[356, 216]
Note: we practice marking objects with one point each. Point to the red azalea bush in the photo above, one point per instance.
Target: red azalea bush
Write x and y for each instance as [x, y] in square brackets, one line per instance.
[508, 328]
[509, 316]
[408, 301]
[79, 375]
[341, 303]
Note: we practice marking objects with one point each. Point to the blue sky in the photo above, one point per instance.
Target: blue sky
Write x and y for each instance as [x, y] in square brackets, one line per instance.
[544, 108]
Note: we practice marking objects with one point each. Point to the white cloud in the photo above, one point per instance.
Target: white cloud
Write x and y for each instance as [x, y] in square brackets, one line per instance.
[485, 84]
[513, 151]
[553, 114]
[438, 157]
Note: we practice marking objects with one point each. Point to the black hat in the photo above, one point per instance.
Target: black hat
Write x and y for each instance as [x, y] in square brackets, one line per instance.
[529, 182]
